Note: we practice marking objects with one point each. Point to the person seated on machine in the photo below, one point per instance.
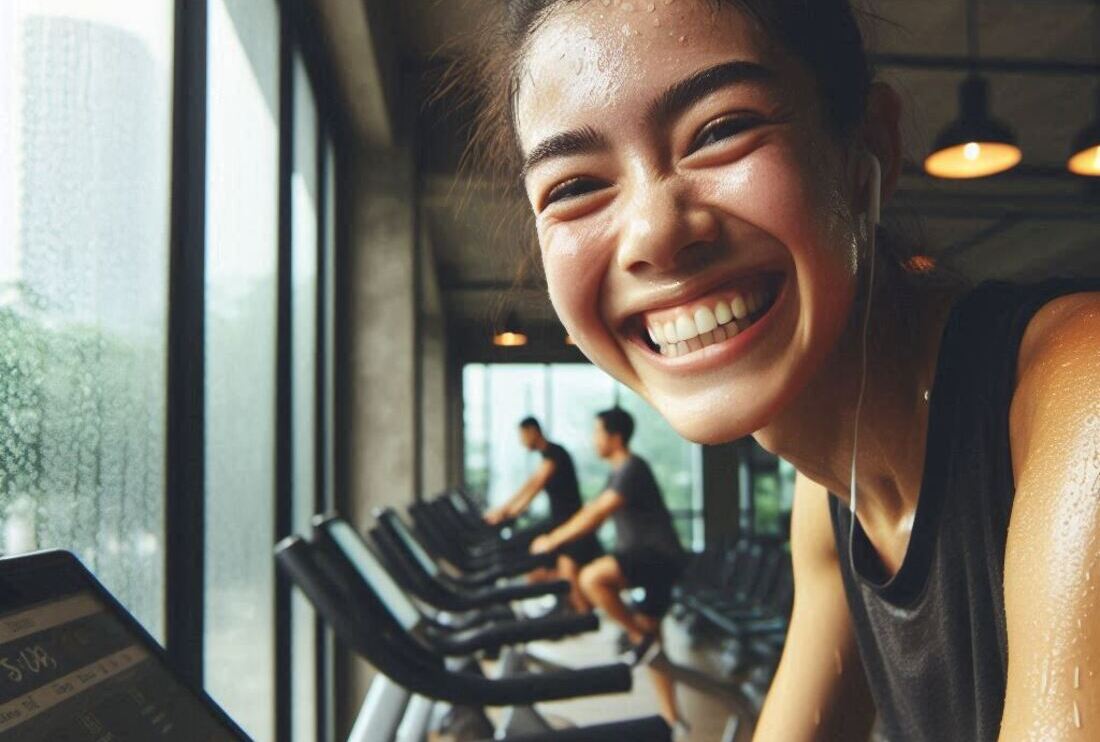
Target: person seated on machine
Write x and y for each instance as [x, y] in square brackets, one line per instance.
[556, 476]
[647, 552]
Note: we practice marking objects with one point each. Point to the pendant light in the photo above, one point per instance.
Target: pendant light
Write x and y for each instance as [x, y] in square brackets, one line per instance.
[510, 334]
[1085, 157]
[974, 145]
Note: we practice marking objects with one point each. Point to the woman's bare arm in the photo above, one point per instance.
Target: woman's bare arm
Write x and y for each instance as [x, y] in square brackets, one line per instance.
[819, 691]
[1052, 558]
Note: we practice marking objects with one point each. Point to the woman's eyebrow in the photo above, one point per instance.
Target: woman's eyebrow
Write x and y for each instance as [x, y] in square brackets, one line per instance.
[576, 142]
[672, 102]
[683, 94]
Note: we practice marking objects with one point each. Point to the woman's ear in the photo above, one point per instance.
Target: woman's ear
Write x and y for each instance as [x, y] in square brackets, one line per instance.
[882, 133]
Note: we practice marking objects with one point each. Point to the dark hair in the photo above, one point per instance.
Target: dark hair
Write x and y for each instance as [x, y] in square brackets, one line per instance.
[617, 421]
[825, 35]
[530, 422]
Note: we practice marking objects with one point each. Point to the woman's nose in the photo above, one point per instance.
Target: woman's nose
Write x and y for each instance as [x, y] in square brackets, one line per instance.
[663, 229]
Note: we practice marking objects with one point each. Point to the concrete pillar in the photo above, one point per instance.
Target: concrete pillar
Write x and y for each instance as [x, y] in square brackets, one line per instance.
[721, 490]
[432, 337]
[380, 451]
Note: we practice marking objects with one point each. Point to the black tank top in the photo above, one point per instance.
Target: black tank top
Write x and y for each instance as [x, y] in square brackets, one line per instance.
[562, 487]
[932, 639]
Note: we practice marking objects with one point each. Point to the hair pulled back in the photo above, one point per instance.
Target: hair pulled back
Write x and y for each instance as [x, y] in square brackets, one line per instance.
[824, 35]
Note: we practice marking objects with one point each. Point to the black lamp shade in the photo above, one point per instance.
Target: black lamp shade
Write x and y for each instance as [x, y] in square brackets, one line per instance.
[975, 144]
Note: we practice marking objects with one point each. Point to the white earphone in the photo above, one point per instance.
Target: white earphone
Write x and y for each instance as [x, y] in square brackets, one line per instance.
[874, 198]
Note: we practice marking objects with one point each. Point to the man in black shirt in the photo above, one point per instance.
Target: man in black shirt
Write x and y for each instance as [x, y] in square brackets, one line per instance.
[557, 477]
[647, 553]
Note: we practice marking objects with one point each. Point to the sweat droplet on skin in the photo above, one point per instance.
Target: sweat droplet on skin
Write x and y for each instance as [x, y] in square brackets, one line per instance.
[1043, 682]
[1076, 677]
[1076, 715]
[817, 718]
[836, 661]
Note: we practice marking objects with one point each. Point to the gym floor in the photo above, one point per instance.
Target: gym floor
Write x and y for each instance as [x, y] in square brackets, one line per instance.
[705, 703]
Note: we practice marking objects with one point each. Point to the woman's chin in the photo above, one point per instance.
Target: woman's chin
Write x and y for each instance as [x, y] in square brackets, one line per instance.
[712, 419]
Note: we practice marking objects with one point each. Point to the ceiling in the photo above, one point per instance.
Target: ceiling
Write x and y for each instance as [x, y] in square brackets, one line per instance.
[1033, 222]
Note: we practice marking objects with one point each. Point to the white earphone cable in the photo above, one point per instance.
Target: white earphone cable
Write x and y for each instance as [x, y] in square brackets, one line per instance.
[872, 220]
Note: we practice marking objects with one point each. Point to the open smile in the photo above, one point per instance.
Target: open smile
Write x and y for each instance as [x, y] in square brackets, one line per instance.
[717, 318]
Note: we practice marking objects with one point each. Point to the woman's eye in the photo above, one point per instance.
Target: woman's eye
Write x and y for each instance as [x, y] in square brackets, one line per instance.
[572, 188]
[723, 129]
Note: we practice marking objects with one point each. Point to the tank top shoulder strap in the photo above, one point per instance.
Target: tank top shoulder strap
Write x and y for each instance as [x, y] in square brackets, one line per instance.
[981, 345]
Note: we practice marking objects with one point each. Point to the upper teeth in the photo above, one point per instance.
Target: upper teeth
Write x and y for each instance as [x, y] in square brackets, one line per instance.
[705, 320]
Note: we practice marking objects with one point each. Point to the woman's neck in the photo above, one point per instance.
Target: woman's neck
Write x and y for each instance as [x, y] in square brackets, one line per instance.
[815, 433]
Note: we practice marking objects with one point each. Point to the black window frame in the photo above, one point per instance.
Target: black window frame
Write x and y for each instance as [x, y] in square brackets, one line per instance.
[185, 490]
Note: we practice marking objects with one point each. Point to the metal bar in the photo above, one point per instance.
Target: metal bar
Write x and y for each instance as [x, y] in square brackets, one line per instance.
[949, 63]
[325, 645]
[284, 390]
[1035, 206]
[185, 494]
[311, 46]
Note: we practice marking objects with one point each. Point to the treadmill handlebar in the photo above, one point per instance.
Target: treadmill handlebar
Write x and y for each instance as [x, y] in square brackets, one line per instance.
[528, 688]
[647, 729]
[521, 591]
[498, 635]
[508, 567]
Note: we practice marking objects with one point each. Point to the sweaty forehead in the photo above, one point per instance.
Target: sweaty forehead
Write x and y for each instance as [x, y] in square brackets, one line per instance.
[588, 61]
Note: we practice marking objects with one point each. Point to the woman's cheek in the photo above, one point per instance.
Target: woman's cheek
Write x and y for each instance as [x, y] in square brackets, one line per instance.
[793, 194]
[575, 259]
[774, 192]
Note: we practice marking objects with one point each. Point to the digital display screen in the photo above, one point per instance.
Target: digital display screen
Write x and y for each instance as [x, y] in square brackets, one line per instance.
[71, 671]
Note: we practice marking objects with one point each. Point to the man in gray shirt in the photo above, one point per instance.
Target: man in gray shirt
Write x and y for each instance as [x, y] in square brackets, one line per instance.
[647, 551]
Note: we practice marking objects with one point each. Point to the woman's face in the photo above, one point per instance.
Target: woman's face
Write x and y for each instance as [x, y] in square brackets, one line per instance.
[692, 212]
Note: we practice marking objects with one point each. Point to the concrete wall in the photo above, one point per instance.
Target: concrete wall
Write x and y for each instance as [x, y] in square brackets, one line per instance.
[380, 452]
[432, 337]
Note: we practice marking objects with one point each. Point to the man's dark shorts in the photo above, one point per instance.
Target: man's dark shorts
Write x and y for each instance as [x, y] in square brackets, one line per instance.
[583, 550]
[654, 570]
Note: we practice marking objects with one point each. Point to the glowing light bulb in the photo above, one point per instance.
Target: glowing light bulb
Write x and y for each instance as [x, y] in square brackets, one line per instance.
[972, 151]
[1086, 162]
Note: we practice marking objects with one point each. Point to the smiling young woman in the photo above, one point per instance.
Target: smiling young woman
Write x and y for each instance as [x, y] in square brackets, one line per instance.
[698, 174]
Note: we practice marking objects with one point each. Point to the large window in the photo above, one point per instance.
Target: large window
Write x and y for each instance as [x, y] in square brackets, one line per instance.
[565, 398]
[85, 143]
[142, 434]
[241, 270]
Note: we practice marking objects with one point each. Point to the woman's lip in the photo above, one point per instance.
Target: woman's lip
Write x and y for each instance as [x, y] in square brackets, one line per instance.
[718, 354]
[749, 280]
